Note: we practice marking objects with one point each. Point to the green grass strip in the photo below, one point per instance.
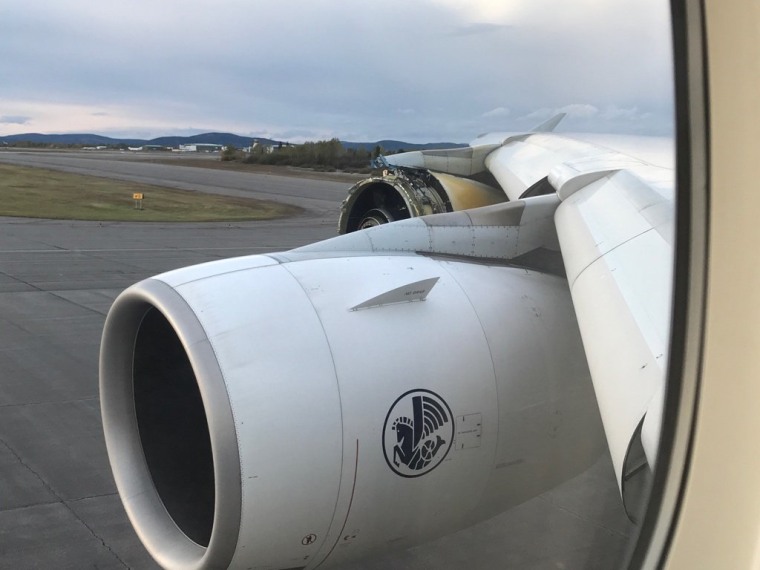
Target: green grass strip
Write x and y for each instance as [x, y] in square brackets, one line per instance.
[41, 193]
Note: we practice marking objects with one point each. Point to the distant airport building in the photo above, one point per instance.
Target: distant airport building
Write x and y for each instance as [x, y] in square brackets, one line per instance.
[201, 147]
[267, 148]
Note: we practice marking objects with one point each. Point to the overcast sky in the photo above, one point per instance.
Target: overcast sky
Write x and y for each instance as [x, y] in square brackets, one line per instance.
[414, 70]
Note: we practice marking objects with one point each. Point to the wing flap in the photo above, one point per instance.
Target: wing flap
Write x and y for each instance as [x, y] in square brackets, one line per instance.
[617, 249]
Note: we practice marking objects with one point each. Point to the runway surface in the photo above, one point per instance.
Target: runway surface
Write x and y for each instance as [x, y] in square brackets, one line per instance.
[318, 195]
[58, 503]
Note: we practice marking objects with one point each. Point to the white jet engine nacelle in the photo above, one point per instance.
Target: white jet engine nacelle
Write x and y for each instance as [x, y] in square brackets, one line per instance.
[262, 413]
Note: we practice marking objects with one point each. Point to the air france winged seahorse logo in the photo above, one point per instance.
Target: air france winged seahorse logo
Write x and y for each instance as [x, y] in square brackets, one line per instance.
[418, 433]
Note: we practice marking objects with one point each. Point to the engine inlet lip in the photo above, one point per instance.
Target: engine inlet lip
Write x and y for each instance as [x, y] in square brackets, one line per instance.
[163, 539]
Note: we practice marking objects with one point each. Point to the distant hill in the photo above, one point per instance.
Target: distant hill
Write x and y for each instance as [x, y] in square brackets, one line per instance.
[90, 139]
[395, 146]
[210, 138]
[83, 139]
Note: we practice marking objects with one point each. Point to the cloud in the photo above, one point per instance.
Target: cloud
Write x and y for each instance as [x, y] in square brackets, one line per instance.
[614, 113]
[611, 118]
[497, 112]
[582, 110]
[330, 69]
[538, 115]
[477, 29]
[14, 119]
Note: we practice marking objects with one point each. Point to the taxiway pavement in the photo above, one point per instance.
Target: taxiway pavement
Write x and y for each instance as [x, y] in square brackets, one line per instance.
[315, 194]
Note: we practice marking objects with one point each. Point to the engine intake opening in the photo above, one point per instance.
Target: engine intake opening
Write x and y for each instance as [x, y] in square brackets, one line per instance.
[173, 427]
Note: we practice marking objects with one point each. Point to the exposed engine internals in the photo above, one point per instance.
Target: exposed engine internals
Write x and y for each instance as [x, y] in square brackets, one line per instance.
[396, 195]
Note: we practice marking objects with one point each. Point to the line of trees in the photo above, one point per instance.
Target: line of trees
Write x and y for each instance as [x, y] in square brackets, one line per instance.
[325, 155]
[38, 144]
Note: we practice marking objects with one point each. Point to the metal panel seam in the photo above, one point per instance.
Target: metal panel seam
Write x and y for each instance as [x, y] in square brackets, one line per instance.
[340, 403]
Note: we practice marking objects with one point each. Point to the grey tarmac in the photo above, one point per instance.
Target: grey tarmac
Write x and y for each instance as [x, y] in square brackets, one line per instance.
[58, 503]
[315, 194]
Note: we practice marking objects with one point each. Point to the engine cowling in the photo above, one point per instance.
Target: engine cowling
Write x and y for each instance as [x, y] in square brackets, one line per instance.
[268, 414]
[404, 193]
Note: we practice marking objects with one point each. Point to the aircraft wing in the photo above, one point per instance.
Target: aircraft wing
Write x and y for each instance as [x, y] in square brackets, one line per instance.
[616, 231]
[614, 219]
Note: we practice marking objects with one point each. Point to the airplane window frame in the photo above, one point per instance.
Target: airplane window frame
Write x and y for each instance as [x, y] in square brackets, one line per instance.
[689, 287]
